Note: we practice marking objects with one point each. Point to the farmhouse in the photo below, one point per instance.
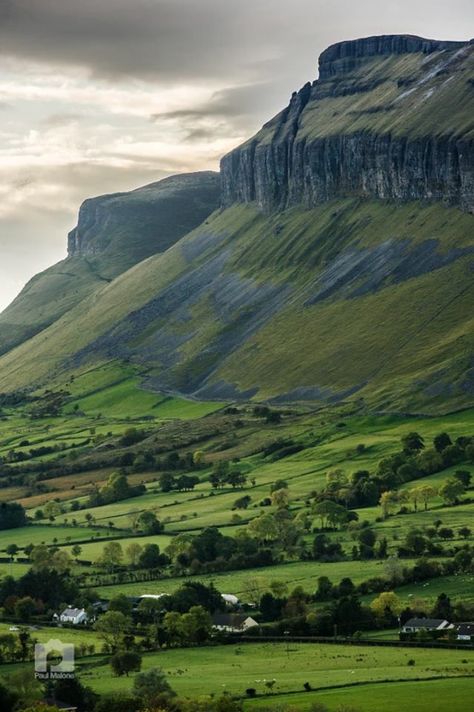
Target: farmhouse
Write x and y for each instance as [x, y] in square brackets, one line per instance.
[429, 624]
[232, 622]
[75, 616]
[465, 631]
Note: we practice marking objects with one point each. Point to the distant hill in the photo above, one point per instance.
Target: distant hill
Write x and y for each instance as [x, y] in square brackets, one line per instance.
[340, 267]
[113, 233]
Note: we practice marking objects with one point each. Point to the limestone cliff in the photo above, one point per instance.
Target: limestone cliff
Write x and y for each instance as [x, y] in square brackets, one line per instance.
[390, 117]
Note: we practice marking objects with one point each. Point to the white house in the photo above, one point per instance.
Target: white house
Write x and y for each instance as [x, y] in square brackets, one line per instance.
[74, 616]
[232, 622]
[429, 624]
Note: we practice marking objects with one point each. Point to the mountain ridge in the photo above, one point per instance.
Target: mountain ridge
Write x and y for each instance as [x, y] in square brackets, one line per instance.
[339, 266]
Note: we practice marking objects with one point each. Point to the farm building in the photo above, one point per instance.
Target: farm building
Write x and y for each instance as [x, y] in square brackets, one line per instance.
[75, 616]
[428, 624]
[232, 622]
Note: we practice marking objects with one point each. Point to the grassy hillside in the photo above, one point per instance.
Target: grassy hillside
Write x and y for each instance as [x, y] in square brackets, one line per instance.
[354, 297]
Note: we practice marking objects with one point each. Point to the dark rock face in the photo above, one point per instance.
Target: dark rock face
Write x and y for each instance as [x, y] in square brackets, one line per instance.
[289, 163]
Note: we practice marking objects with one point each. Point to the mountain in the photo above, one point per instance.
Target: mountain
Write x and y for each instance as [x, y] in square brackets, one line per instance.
[114, 232]
[340, 265]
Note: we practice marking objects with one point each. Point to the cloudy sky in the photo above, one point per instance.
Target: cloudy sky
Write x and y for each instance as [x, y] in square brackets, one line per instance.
[104, 95]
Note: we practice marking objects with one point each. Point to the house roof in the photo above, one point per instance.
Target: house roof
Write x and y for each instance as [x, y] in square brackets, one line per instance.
[231, 620]
[72, 612]
[433, 623]
[466, 629]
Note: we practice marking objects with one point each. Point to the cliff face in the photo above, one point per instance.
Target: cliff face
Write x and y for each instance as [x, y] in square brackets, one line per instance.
[390, 117]
[144, 221]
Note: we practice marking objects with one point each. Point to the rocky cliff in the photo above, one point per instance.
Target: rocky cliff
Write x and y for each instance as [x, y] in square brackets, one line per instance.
[145, 221]
[390, 117]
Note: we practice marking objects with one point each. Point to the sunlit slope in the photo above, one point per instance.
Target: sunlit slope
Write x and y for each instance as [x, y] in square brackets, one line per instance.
[114, 232]
[352, 299]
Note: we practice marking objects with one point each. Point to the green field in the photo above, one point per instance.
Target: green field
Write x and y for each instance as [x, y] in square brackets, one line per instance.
[234, 668]
[420, 696]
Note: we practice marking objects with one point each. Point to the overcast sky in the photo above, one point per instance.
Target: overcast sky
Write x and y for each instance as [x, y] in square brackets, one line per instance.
[104, 95]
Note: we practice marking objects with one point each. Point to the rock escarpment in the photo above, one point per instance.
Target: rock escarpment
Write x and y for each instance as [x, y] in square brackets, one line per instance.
[390, 117]
[144, 221]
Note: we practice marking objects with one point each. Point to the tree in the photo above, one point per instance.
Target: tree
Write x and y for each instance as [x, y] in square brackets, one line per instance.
[264, 528]
[24, 608]
[112, 626]
[151, 688]
[120, 603]
[76, 551]
[330, 513]
[133, 552]
[387, 501]
[112, 555]
[12, 515]
[451, 490]
[464, 476]
[441, 442]
[325, 589]
[12, 550]
[446, 533]
[442, 608]
[412, 443]
[415, 496]
[242, 502]
[280, 498]
[465, 532]
[150, 557]
[149, 524]
[426, 492]
[125, 662]
[388, 601]
[196, 625]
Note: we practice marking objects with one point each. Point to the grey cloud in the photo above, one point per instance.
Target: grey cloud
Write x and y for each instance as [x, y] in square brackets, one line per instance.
[166, 38]
[189, 39]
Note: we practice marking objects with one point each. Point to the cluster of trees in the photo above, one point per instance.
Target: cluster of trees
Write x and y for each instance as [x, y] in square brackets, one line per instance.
[12, 515]
[413, 461]
[181, 483]
[450, 491]
[136, 556]
[223, 475]
[115, 489]
[180, 619]
[46, 588]
[213, 551]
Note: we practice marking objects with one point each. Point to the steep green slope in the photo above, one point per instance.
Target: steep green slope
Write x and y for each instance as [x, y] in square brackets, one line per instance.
[353, 297]
[114, 232]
